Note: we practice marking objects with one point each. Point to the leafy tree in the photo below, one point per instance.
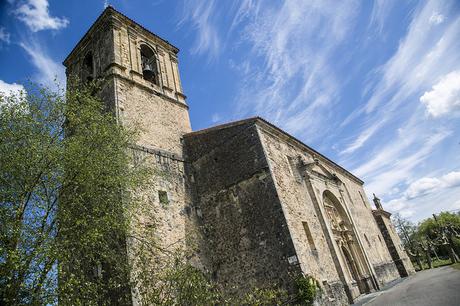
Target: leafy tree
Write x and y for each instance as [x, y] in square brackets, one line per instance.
[65, 201]
[443, 231]
[438, 237]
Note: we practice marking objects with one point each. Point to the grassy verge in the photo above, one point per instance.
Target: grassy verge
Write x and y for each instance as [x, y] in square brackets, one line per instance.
[436, 264]
[456, 266]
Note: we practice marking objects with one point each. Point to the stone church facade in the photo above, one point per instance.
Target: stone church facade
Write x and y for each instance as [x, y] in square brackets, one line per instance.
[263, 205]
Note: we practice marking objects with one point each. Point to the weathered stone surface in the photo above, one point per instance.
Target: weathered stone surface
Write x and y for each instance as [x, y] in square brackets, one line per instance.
[246, 234]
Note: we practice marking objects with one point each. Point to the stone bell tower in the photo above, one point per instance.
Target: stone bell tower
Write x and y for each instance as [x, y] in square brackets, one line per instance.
[141, 84]
[142, 78]
[392, 241]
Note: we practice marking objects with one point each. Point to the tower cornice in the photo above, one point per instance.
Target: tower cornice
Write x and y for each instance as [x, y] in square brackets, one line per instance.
[117, 19]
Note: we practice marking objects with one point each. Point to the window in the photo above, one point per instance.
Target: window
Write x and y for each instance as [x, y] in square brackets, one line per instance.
[88, 67]
[97, 270]
[163, 197]
[367, 240]
[362, 199]
[294, 170]
[149, 64]
[311, 242]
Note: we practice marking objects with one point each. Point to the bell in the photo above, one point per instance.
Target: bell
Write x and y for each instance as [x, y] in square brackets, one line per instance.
[147, 71]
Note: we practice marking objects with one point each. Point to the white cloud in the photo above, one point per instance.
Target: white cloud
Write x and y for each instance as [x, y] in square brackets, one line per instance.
[427, 195]
[8, 89]
[427, 185]
[423, 186]
[48, 71]
[436, 18]
[200, 15]
[444, 98]
[4, 36]
[423, 55]
[35, 14]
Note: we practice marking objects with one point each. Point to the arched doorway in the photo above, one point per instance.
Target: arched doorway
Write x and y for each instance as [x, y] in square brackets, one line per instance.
[350, 264]
[344, 236]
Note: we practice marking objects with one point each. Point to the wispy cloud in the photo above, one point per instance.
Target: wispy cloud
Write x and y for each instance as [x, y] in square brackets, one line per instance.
[215, 118]
[49, 72]
[35, 14]
[436, 18]
[292, 81]
[393, 167]
[200, 15]
[296, 62]
[444, 98]
[4, 36]
[424, 55]
[380, 12]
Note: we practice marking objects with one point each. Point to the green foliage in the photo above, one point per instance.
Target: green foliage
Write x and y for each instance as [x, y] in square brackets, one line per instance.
[437, 263]
[262, 297]
[307, 289]
[64, 200]
[182, 284]
[432, 238]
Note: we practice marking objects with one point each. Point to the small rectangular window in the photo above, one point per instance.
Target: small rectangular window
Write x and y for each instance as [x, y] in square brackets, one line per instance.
[294, 170]
[311, 242]
[362, 198]
[163, 197]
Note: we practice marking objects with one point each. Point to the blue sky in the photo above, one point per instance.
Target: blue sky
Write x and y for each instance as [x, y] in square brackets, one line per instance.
[374, 86]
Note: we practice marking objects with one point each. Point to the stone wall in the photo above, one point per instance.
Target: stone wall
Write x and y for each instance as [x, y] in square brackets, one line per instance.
[167, 198]
[162, 123]
[314, 256]
[371, 236]
[298, 201]
[248, 242]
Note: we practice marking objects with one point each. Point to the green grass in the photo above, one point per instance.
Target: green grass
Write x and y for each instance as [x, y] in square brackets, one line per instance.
[436, 263]
[456, 266]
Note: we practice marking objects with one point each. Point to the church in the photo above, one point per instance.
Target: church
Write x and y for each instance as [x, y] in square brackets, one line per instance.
[265, 206]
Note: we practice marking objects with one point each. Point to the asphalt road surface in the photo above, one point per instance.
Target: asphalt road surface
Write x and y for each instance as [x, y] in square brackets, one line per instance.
[440, 286]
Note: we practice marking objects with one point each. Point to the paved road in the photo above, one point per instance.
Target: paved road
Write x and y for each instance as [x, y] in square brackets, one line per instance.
[440, 286]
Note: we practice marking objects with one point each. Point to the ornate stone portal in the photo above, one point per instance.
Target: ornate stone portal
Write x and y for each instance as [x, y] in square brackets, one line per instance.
[349, 250]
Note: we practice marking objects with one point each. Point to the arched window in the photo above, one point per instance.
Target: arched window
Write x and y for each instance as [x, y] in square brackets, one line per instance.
[88, 67]
[149, 64]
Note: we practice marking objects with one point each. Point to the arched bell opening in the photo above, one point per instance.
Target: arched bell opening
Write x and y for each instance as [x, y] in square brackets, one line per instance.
[149, 64]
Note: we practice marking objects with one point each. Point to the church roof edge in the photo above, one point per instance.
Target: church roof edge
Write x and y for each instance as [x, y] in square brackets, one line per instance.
[260, 120]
